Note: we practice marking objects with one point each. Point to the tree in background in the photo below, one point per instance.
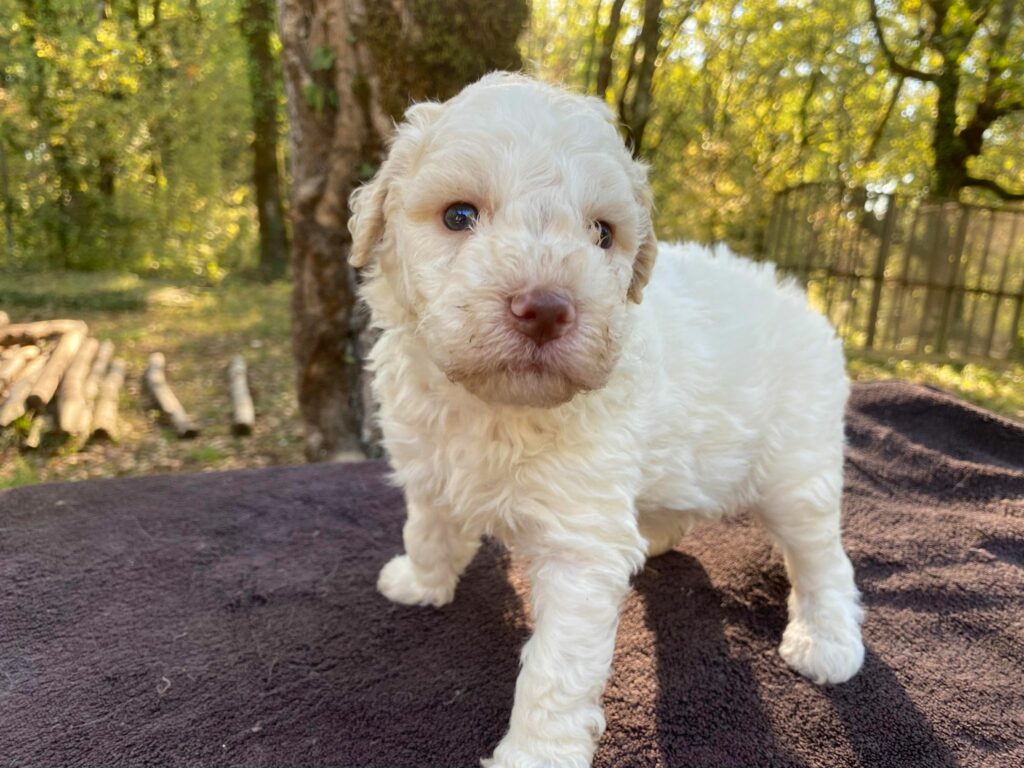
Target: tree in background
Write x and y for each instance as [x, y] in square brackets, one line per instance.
[738, 99]
[972, 53]
[634, 101]
[124, 130]
[351, 68]
[258, 27]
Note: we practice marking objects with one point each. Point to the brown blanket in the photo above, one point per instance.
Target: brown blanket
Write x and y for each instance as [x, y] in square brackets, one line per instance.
[231, 619]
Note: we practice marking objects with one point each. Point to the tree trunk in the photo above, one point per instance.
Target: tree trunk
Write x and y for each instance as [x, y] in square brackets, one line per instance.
[39, 22]
[639, 110]
[950, 153]
[257, 27]
[324, 61]
[604, 63]
[5, 192]
[351, 67]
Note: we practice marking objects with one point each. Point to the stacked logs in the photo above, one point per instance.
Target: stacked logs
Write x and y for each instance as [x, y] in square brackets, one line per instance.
[58, 376]
[62, 380]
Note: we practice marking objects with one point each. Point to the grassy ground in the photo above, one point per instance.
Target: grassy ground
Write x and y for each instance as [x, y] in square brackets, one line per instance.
[999, 389]
[199, 329]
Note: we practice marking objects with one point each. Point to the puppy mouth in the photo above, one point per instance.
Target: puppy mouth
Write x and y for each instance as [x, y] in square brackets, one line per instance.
[506, 367]
[539, 376]
[553, 358]
[534, 360]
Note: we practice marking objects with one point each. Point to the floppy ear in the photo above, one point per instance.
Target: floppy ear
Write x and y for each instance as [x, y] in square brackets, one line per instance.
[366, 224]
[647, 250]
[368, 203]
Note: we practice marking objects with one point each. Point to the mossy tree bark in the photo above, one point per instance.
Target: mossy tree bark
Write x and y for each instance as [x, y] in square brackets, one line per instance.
[352, 67]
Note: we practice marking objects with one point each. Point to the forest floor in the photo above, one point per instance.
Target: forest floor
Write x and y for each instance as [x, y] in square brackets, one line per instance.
[200, 328]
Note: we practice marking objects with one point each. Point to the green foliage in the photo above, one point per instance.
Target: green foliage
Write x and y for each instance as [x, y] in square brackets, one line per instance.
[125, 135]
[19, 473]
[752, 96]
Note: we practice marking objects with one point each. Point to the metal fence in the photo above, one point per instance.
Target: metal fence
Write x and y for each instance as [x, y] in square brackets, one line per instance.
[899, 275]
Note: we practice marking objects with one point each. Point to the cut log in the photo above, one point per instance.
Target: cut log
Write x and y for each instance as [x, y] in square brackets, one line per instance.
[99, 368]
[15, 362]
[72, 408]
[61, 357]
[4, 318]
[14, 405]
[41, 422]
[243, 413]
[31, 333]
[170, 407]
[104, 417]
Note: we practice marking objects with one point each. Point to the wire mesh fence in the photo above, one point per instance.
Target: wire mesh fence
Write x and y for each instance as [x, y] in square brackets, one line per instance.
[900, 275]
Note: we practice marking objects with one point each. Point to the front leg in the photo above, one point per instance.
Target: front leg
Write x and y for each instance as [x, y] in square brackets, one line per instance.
[437, 551]
[578, 586]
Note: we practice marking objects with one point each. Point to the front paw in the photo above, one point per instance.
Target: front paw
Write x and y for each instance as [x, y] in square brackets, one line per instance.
[524, 753]
[825, 645]
[400, 582]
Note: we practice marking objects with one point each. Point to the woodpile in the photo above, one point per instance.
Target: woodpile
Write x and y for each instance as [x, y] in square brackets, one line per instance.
[51, 373]
[57, 379]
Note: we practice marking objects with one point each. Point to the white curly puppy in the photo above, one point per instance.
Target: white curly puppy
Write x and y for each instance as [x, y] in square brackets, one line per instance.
[541, 381]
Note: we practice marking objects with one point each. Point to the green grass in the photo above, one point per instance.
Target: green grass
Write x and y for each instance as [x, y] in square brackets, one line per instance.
[998, 389]
[19, 472]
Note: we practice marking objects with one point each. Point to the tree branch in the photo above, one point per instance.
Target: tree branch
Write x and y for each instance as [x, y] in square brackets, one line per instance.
[604, 62]
[876, 136]
[980, 13]
[894, 64]
[993, 186]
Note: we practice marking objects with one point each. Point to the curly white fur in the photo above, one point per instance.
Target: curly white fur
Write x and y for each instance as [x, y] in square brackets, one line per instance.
[710, 390]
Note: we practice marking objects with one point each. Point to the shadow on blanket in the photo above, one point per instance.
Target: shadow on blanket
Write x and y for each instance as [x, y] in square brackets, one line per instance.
[230, 619]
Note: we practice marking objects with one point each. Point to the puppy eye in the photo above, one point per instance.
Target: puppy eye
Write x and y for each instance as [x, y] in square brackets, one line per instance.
[460, 217]
[603, 232]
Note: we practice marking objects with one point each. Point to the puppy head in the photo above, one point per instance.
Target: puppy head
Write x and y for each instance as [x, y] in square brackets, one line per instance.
[511, 228]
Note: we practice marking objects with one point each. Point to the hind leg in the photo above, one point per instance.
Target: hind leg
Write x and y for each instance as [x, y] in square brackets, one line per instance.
[822, 640]
[662, 531]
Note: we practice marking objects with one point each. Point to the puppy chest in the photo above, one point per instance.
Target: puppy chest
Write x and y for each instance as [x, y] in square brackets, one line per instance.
[491, 476]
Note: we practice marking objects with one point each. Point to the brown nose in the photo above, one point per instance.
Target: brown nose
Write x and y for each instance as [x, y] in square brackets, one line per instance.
[542, 315]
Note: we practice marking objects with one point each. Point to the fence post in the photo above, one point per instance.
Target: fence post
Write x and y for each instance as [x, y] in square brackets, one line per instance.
[1000, 293]
[939, 243]
[1016, 327]
[878, 274]
[980, 280]
[954, 274]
